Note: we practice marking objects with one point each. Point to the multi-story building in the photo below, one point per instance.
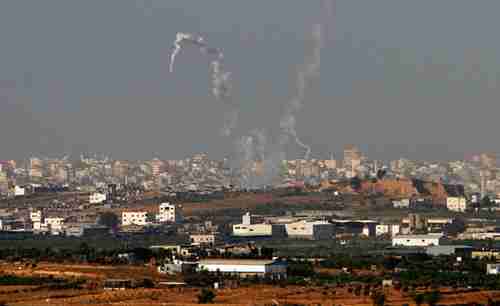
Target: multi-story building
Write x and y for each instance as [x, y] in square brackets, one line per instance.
[4, 183]
[36, 167]
[169, 213]
[120, 169]
[134, 218]
[352, 160]
[203, 239]
[457, 204]
[156, 167]
[97, 198]
[54, 225]
[36, 219]
[387, 229]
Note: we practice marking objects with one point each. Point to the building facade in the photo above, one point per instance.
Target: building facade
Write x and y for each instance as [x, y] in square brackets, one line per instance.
[416, 240]
[245, 267]
[134, 218]
[169, 213]
[457, 204]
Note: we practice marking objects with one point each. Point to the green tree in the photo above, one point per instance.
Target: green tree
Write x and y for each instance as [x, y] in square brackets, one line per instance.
[457, 226]
[206, 296]
[486, 202]
[108, 219]
[433, 297]
[378, 298]
[418, 298]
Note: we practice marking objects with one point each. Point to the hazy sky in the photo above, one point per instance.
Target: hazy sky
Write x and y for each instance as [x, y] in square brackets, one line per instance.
[418, 78]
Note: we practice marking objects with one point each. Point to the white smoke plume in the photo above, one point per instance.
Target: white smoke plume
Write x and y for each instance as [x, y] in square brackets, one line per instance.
[258, 160]
[221, 80]
[221, 89]
[246, 158]
[309, 70]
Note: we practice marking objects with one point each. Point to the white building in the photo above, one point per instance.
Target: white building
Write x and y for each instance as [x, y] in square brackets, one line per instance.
[134, 218]
[169, 213]
[247, 229]
[458, 204]
[246, 219]
[54, 225]
[416, 240]
[253, 230]
[97, 198]
[19, 191]
[36, 219]
[201, 239]
[404, 203]
[245, 267]
[310, 230]
[493, 269]
[387, 229]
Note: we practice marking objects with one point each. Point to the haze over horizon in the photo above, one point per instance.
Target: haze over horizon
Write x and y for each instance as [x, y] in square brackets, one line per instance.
[418, 79]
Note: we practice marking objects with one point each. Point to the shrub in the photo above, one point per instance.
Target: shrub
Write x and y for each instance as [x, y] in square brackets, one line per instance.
[206, 296]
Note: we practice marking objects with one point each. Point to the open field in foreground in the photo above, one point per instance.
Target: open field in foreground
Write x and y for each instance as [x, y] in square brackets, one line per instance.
[246, 295]
[255, 295]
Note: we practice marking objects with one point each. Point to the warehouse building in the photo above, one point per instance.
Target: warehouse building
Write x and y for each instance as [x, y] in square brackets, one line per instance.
[416, 240]
[273, 269]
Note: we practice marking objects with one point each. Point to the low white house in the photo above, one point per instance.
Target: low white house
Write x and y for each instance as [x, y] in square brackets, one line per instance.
[458, 204]
[416, 240]
[245, 267]
[247, 229]
[97, 198]
[252, 230]
[134, 218]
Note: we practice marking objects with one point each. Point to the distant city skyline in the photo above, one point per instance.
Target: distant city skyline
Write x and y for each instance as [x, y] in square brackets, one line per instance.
[399, 79]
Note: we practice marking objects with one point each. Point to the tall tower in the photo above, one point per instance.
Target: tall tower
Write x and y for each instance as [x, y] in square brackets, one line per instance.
[352, 160]
[487, 170]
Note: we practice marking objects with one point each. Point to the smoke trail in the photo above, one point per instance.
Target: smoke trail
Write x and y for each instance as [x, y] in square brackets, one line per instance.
[309, 70]
[221, 80]
[329, 11]
[221, 89]
[184, 38]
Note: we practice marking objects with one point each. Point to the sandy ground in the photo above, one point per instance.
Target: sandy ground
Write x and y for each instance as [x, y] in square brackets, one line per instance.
[255, 295]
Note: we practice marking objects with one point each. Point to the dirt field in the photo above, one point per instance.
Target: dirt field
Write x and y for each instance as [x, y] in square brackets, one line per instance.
[255, 295]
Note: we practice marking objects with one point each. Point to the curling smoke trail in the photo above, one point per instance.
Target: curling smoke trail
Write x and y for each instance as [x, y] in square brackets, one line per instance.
[184, 38]
[309, 70]
[221, 80]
